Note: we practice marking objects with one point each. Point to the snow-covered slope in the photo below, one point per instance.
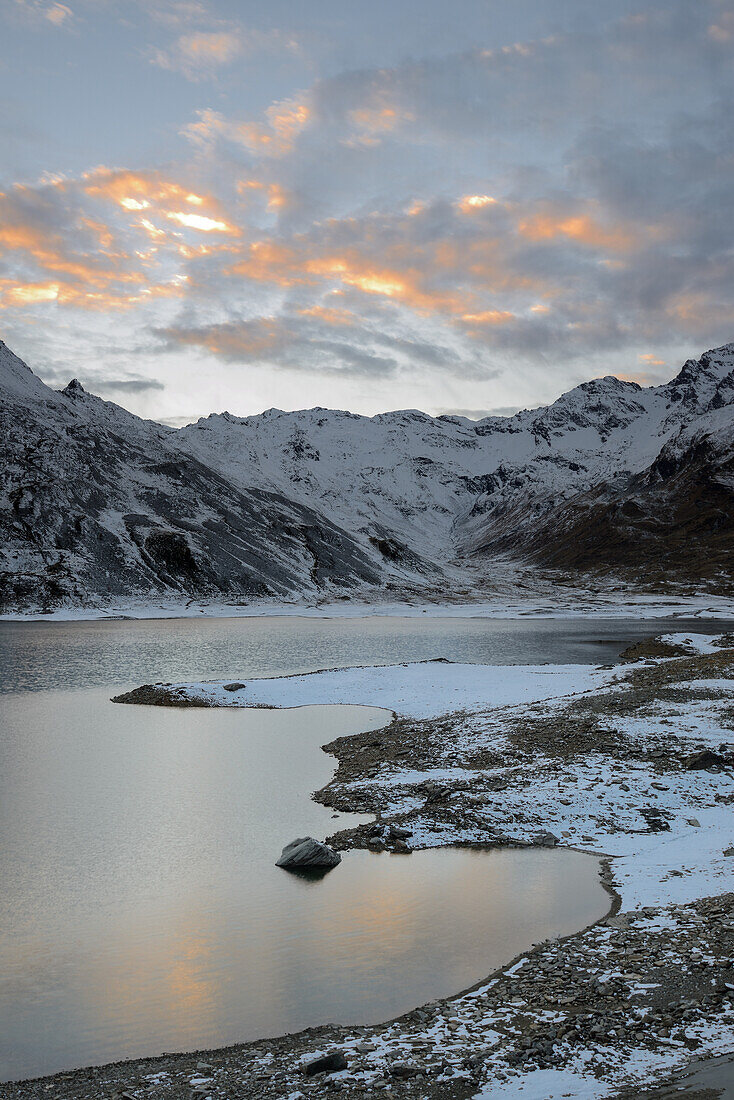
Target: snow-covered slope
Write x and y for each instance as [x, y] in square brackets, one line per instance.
[96, 503]
[673, 521]
[448, 487]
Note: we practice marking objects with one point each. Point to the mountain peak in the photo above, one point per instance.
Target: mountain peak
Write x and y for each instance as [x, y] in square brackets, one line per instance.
[74, 388]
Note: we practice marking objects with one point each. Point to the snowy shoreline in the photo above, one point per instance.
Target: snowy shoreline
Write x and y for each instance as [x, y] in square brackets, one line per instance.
[614, 606]
[650, 986]
[602, 760]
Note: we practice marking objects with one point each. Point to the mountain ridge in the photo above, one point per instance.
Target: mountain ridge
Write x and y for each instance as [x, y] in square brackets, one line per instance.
[611, 479]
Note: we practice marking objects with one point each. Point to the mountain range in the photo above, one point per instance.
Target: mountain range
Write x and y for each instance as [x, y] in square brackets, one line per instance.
[612, 480]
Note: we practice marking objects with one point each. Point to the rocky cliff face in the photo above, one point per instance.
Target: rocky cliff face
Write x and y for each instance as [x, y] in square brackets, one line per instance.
[611, 478]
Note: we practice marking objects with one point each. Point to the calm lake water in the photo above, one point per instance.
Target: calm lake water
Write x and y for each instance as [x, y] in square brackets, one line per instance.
[140, 909]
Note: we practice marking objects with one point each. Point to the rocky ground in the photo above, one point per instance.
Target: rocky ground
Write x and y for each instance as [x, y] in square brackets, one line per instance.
[638, 770]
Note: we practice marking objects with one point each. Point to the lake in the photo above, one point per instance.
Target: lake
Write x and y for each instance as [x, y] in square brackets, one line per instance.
[140, 908]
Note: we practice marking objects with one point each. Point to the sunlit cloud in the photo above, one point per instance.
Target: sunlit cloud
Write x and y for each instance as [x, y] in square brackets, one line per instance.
[274, 137]
[459, 211]
[199, 221]
[582, 228]
[277, 197]
[469, 203]
[200, 54]
[28, 294]
[44, 11]
[489, 317]
[651, 359]
[73, 240]
[371, 122]
[329, 316]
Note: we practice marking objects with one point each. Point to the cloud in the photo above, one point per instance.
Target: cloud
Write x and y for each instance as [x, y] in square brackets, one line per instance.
[651, 359]
[199, 55]
[481, 414]
[542, 201]
[102, 385]
[102, 241]
[275, 136]
[176, 14]
[279, 342]
[44, 12]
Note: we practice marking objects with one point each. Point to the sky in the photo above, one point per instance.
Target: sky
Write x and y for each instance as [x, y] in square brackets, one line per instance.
[459, 207]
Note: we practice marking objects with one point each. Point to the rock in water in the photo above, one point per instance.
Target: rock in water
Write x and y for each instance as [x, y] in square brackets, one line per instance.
[305, 852]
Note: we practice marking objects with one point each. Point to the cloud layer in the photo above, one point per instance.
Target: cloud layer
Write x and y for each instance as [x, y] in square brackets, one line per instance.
[540, 201]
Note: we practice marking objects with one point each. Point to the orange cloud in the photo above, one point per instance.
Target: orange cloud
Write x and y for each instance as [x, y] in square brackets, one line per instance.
[374, 120]
[274, 137]
[584, 229]
[652, 360]
[28, 293]
[199, 54]
[277, 196]
[84, 263]
[50, 12]
[489, 317]
[135, 191]
[403, 285]
[268, 262]
[335, 317]
[244, 340]
[285, 121]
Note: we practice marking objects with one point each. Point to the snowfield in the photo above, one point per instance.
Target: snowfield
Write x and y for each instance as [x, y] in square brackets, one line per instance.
[424, 689]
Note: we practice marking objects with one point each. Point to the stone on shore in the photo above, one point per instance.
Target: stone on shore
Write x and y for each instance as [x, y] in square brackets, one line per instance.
[326, 1063]
[698, 761]
[545, 840]
[305, 852]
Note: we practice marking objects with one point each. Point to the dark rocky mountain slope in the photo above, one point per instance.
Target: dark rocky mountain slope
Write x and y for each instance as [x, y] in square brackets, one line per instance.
[95, 504]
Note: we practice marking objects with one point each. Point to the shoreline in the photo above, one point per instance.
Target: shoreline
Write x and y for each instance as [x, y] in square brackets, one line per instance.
[169, 1058]
[572, 606]
[628, 1000]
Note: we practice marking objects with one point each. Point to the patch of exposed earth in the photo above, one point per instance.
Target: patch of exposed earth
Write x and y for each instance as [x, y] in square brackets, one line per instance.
[638, 770]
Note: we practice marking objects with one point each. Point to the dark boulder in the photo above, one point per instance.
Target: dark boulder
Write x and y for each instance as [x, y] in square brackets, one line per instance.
[697, 761]
[326, 1063]
[305, 853]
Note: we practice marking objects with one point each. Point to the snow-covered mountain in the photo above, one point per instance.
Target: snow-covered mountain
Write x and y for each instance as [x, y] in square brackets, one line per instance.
[451, 489]
[99, 504]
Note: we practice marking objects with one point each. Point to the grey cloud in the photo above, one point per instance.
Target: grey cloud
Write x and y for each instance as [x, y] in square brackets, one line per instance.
[278, 342]
[342, 358]
[120, 385]
[481, 414]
